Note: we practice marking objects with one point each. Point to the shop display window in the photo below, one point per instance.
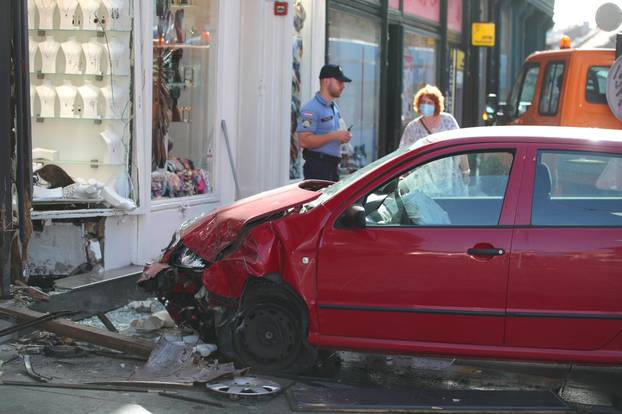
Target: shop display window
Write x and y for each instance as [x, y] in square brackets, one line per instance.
[425, 9]
[80, 59]
[419, 69]
[184, 58]
[354, 43]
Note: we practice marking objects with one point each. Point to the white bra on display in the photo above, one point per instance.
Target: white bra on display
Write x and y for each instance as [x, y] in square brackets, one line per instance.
[112, 138]
[73, 53]
[47, 99]
[33, 47]
[90, 14]
[116, 98]
[90, 95]
[93, 56]
[49, 50]
[67, 98]
[46, 13]
[119, 61]
[67, 10]
[118, 14]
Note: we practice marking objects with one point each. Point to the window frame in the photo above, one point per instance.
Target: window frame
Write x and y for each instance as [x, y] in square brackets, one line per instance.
[547, 71]
[519, 88]
[587, 99]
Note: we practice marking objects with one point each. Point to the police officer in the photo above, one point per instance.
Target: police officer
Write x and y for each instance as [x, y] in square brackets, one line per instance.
[318, 127]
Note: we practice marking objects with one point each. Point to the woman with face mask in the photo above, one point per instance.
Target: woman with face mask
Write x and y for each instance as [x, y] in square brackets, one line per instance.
[429, 103]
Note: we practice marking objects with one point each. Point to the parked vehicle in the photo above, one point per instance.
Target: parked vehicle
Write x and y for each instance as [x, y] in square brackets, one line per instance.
[521, 259]
[564, 87]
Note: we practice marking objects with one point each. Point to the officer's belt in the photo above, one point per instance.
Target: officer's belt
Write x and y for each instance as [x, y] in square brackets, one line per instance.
[315, 155]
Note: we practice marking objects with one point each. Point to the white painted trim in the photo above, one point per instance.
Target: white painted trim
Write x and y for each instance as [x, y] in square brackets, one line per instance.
[183, 202]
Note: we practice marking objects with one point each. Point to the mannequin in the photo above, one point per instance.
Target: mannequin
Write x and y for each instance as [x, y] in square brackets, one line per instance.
[114, 145]
[90, 14]
[93, 54]
[90, 95]
[46, 13]
[73, 53]
[47, 99]
[118, 14]
[67, 98]
[32, 11]
[33, 48]
[118, 57]
[49, 50]
[68, 19]
[116, 98]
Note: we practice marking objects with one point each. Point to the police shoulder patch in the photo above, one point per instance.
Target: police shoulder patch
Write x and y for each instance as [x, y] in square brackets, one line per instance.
[306, 123]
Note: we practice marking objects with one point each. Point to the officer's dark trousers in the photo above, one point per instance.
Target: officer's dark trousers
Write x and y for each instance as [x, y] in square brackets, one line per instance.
[320, 166]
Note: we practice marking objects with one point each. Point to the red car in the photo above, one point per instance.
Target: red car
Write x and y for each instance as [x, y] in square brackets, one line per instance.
[517, 256]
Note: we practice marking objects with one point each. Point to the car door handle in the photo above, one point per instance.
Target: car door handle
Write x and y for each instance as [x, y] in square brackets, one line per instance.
[486, 252]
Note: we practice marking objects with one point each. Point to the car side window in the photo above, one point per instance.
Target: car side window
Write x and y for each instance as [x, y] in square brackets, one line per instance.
[457, 190]
[551, 88]
[573, 188]
[527, 90]
[596, 84]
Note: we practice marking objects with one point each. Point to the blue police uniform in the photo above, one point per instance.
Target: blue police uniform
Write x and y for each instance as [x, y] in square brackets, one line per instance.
[320, 117]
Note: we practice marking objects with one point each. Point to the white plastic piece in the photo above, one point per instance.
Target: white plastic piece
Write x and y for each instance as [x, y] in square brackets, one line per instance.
[115, 200]
[118, 16]
[115, 153]
[90, 97]
[90, 14]
[45, 154]
[119, 58]
[67, 9]
[116, 97]
[39, 192]
[33, 48]
[204, 349]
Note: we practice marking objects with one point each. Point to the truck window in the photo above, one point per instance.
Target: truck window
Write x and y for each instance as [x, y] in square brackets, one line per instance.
[551, 88]
[596, 84]
[523, 91]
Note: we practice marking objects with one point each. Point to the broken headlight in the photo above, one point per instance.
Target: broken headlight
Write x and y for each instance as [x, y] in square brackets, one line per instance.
[187, 259]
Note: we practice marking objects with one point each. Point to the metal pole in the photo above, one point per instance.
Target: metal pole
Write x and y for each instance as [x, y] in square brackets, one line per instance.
[618, 45]
[6, 212]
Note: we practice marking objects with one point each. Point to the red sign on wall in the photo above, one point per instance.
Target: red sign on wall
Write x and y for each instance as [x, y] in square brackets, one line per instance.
[454, 15]
[426, 9]
[280, 8]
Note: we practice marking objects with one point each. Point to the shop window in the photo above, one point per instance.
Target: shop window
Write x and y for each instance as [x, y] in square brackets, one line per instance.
[455, 90]
[80, 62]
[419, 69]
[354, 43]
[454, 15]
[552, 85]
[184, 63]
[596, 84]
[425, 9]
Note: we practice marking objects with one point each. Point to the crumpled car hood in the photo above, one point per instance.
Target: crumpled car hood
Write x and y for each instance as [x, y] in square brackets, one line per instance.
[218, 229]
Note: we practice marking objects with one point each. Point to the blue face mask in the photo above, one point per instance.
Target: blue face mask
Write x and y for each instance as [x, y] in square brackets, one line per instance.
[426, 109]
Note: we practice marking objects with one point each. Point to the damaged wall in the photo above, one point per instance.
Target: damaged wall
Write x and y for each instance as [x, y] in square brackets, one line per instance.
[66, 247]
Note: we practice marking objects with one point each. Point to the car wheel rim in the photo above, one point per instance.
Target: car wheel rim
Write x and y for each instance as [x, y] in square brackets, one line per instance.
[268, 336]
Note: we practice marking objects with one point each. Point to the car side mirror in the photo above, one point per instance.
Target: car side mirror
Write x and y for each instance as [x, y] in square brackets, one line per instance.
[354, 217]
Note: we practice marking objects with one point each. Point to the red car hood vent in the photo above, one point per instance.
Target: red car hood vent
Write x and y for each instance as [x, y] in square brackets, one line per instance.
[211, 234]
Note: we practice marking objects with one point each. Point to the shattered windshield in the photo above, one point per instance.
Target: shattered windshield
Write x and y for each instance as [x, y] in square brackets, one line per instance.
[331, 190]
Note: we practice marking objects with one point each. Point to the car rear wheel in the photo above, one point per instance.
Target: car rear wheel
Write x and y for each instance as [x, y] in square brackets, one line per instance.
[268, 336]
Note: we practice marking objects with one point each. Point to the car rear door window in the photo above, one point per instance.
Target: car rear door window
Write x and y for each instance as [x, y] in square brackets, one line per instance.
[551, 88]
[574, 188]
[596, 84]
[458, 190]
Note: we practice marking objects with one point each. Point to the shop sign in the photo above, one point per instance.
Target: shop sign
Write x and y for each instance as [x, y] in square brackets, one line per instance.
[280, 8]
[483, 34]
[614, 88]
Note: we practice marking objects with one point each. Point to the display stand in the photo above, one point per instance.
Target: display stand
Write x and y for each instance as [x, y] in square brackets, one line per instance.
[47, 99]
[93, 57]
[46, 10]
[90, 99]
[73, 56]
[67, 99]
[68, 18]
[49, 51]
[90, 14]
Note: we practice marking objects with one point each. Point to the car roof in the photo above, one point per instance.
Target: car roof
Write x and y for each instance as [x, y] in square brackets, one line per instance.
[530, 134]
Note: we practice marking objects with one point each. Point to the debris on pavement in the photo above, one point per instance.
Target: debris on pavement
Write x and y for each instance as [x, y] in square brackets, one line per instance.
[31, 372]
[175, 361]
[245, 387]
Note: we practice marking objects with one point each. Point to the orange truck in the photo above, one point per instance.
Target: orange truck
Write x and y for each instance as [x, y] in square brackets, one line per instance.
[564, 87]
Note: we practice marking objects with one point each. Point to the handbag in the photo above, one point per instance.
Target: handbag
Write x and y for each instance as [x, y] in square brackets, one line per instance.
[425, 126]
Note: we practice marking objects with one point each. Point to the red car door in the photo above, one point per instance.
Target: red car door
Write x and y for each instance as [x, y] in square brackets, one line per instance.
[431, 264]
[565, 285]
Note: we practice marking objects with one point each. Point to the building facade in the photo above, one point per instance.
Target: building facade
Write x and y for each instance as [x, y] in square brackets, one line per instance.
[161, 110]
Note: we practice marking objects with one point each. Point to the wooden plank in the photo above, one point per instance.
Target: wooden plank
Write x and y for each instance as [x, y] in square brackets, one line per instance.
[74, 330]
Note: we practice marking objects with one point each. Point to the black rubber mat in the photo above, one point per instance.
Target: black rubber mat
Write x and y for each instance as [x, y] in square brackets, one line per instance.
[305, 398]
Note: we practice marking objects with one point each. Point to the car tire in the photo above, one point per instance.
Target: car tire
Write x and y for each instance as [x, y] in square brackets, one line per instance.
[268, 337]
